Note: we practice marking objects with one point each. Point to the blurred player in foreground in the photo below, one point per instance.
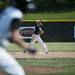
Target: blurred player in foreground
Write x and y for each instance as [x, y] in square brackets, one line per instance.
[36, 35]
[9, 20]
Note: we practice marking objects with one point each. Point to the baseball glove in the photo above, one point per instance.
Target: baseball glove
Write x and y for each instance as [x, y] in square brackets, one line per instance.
[30, 50]
[41, 32]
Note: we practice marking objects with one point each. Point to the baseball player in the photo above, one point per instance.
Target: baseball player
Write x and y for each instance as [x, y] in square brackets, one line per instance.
[36, 36]
[9, 20]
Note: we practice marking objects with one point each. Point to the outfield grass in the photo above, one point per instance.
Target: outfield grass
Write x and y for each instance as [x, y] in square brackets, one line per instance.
[70, 15]
[52, 46]
[67, 64]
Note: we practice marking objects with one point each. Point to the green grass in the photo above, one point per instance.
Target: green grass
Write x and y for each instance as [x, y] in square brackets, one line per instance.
[67, 64]
[52, 46]
[65, 73]
[58, 46]
[70, 15]
[61, 73]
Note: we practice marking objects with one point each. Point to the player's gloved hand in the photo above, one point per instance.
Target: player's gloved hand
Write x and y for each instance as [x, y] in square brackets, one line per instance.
[46, 52]
[41, 32]
[30, 50]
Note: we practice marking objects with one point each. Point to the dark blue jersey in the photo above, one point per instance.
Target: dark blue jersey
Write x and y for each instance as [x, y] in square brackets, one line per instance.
[37, 30]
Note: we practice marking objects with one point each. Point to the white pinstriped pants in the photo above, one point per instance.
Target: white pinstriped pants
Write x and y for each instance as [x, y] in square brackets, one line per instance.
[39, 40]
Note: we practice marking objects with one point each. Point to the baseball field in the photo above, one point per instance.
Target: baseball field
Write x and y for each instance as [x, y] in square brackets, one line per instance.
[59, 61]
[61, 57]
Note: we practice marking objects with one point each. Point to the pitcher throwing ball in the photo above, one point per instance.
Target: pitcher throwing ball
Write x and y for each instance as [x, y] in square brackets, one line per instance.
[36, 36]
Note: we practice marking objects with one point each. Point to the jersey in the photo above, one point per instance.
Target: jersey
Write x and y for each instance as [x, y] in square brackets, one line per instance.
[8, 15]
[37, 30]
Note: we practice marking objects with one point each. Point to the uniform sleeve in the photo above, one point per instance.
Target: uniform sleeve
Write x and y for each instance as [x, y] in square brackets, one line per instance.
[13, 27]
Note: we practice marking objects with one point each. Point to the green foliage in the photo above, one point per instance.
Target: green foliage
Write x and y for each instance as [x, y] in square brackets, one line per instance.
[54, 4]
[3, 3]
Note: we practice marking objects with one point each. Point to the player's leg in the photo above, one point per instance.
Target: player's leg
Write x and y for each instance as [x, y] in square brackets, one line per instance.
[33, 40]
[9, 64]
[40, 41]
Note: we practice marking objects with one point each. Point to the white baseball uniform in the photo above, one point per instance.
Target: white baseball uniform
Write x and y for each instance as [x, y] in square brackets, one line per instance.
[7, 62]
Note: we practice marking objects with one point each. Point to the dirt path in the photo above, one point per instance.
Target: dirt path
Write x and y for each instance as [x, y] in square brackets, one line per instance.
[42, 70]
[39, 70]
[43, 55]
